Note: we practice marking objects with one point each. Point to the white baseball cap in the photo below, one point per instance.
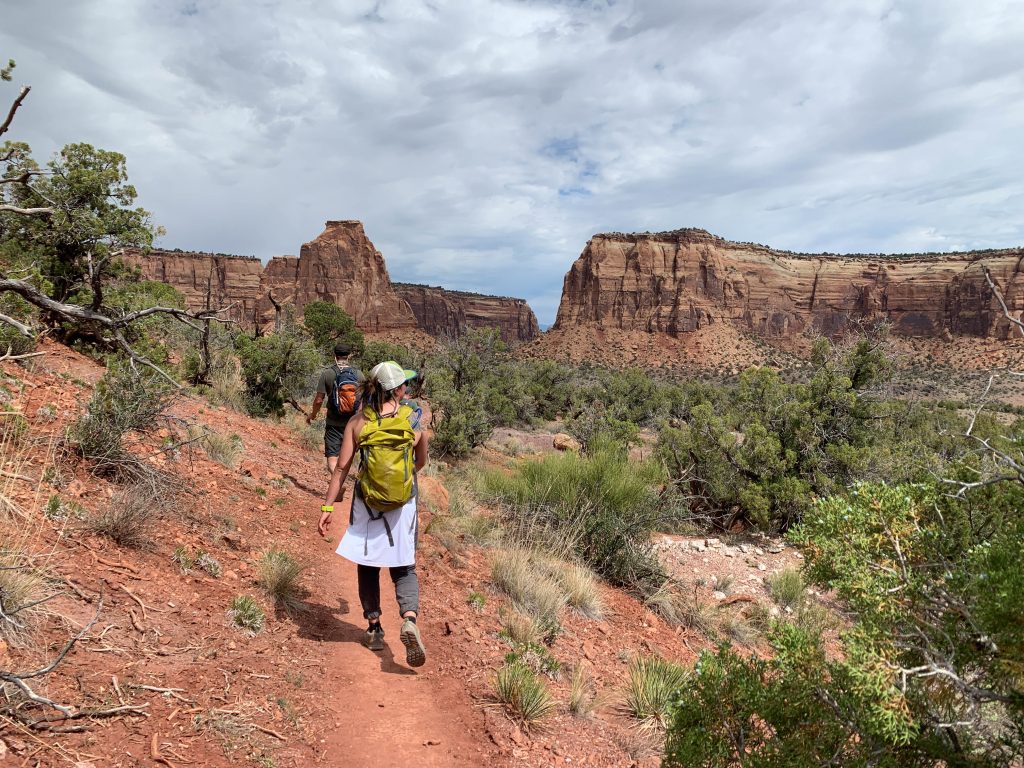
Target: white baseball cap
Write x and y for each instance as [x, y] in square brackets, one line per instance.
[391, 375]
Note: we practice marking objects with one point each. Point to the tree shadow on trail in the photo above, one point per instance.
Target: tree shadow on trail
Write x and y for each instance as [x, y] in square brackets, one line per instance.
[324, 623]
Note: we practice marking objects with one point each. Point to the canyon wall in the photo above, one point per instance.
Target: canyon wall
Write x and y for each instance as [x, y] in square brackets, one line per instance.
[441, 312]
[233, 281]
[680, 281]
[341, 266]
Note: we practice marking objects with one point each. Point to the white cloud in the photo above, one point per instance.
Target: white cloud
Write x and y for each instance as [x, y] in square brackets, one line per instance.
[482, 142]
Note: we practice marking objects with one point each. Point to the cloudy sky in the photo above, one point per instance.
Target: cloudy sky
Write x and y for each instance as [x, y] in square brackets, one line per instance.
[482, 142]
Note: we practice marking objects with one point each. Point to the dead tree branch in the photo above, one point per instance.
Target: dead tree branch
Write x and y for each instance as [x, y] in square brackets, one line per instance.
[14, 108]
[1002, 303]
[113, 325]
[26, 211]
[18, 678]
[20, 327]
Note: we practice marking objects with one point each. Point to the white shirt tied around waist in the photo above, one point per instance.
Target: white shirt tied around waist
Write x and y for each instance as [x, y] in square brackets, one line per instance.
[366, 541]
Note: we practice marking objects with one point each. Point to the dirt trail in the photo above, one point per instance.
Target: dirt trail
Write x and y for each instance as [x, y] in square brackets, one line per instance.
[379, 711]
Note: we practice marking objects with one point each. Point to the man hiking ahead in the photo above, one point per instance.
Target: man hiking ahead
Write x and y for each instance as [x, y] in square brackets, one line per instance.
[339, 385]
[383, 523]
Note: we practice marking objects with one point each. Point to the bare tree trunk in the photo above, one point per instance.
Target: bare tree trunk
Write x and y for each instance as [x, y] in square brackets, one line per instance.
[277, 312]
[202, 376]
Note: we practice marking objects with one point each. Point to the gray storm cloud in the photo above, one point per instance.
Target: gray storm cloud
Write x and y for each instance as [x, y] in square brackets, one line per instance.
[483, 142]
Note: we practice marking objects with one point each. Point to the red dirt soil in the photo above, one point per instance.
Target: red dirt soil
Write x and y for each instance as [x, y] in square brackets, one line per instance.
[303, 691]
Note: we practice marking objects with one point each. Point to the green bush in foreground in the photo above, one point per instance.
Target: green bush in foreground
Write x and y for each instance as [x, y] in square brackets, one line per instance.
[931, 670]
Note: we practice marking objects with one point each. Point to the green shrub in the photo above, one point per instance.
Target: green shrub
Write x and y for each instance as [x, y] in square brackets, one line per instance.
[327, 324]
[124, 404]
[928, 672]
[184, 558]
[461, 423]
[601, 507]
[771, 705]
[278, 368]
[526, 698]
[652, 686]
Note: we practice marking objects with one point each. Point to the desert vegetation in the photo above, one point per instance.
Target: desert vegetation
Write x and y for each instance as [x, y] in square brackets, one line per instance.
[907, 511]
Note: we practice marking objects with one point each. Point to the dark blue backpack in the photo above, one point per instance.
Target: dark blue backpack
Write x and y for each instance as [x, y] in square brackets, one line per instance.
[344, 398]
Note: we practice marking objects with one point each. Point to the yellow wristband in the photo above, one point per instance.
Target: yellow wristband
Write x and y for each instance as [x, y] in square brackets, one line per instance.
[326, 507]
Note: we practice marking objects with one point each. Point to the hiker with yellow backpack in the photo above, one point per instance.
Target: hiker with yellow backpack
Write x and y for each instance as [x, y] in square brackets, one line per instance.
[383, 522]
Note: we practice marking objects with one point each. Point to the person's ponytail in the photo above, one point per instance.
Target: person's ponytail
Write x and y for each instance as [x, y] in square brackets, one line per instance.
[373, 395]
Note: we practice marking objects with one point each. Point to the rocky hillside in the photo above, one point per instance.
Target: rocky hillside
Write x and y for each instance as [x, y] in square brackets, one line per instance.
[442, 312]
[682, 281]
[341, 266]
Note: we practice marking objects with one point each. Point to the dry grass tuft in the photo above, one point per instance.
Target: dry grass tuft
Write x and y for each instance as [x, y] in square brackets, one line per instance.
[23, 590]
[579, 584]
[787, 588]
[514, 573]
[738, 629]
[128, 517]
[669, 602]
[581, 693]
[519, 628]
[224, 449]
[279, 577]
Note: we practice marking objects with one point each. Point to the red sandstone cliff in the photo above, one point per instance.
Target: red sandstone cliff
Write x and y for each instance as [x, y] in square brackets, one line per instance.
[442, 312]
[681, 281]
[341, 266]
[233, 281]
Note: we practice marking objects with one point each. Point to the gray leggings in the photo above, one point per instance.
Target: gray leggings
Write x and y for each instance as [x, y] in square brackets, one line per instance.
[407, 589]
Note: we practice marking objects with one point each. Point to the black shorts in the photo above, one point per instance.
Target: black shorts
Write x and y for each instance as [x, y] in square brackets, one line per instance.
[332, 440]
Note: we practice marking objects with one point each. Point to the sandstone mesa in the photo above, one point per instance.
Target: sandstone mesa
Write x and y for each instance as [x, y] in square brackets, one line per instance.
[341, 266]
[685, 280]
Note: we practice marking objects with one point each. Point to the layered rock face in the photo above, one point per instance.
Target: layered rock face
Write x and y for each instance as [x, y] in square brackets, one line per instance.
[232, 281]
[342, 266]
[680, 281]
[442, 312]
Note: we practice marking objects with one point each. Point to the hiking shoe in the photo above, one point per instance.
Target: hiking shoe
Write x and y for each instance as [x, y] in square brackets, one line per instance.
[415, 653]
[375, 638]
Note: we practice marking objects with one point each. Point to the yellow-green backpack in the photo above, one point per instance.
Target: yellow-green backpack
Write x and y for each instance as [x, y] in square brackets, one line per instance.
[386, 447]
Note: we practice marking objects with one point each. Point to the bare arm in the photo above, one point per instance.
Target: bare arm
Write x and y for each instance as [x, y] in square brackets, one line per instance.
[336, 488]
[421, 450]
[317, 402]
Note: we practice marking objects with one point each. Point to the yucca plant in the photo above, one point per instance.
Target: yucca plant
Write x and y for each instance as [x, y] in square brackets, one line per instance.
[245, 613]
[653, 683]
[524, 696]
